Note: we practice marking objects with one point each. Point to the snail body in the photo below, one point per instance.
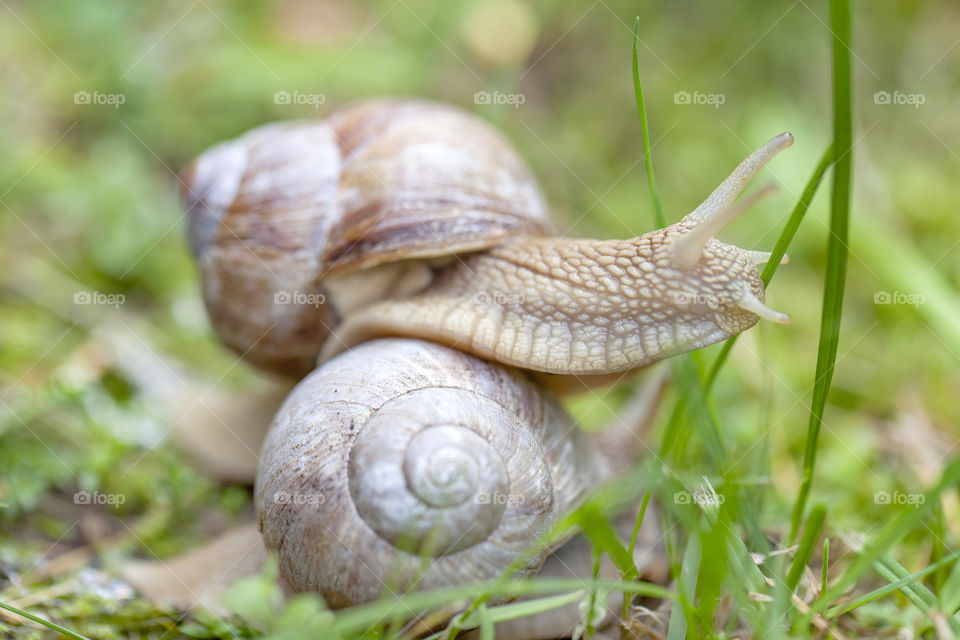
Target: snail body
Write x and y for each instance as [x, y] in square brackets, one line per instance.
[406, 218]
[402, 462]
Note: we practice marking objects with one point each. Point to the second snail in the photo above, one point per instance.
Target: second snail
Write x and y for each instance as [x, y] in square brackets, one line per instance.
[400, 256]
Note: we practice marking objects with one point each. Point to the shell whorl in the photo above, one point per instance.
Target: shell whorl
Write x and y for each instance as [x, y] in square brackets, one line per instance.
[431, 472]
[402, 462]
[275, 211]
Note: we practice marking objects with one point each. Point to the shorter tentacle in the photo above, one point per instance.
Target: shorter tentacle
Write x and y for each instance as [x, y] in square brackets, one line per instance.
[687, 249]
[751, 303]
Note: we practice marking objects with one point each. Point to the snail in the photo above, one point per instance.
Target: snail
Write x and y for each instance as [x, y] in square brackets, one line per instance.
[401, 451]
[405, 247]
[416, 219]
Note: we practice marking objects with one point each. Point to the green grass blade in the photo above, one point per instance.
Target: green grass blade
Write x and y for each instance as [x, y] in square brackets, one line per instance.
[360, 618]
[633, 543]
[917, 592]
[950, 591]
[694, 393]
[486, 623]
[836, 246]
[686, 587]
[597, 528]
[46, 623]
[636, 526]
[810, 534]
[658, 217]
[825, 566]
[516, 610]
[898, 585]
[938, 547]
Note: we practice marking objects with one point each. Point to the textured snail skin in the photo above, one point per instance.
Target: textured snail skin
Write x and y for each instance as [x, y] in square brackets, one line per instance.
[567, 306]
[403, 464]
[276, 214]
[308, 229]
[589, 308]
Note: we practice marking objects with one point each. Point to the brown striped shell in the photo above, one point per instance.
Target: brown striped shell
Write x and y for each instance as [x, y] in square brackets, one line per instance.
[277, 211]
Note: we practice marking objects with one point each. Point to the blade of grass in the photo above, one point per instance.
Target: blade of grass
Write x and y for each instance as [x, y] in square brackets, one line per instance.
[486, 623]
[692, 390]
[46, 623]
[658, 217]
[939, 547]
[516, 610]
[592, 602]
[917, 592]
[810, 534]
[360, 618]
[898, 585]
[597, 528]
[633, 543]
[686, 586]
[836, 246]
[825, 566]
[950, 591]
[636, 527]
[716, 550]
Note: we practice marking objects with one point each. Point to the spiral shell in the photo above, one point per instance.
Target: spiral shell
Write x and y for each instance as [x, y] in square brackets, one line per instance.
[403, 463]
[274, 212]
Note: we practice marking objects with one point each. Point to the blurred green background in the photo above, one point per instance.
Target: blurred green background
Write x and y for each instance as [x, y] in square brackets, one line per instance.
[104, 102]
